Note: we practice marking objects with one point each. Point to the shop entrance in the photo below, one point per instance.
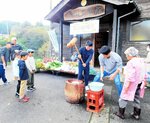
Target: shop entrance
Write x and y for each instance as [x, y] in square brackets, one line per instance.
[101, 39]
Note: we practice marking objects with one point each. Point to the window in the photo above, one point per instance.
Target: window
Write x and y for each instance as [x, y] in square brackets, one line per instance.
[140, 31]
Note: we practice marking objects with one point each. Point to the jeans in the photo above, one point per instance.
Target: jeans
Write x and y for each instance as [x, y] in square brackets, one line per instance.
[116, 80]
[2, 74]
[86, 73]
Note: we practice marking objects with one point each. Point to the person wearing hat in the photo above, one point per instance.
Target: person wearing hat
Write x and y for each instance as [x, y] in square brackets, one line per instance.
[110, 65]
[30, 62]
[14, 47]
[4, 58]
[86, 53]
[24, 76]
[133, 84]
[15, 69]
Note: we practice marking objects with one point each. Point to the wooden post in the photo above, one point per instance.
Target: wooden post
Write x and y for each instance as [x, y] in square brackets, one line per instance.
[61, 42]
[114, 31]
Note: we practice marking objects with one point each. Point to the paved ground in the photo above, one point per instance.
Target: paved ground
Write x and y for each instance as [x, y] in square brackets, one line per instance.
[48, 104]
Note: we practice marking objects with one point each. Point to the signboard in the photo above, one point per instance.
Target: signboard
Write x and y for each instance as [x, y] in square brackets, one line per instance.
[85, 12]
[84, 27]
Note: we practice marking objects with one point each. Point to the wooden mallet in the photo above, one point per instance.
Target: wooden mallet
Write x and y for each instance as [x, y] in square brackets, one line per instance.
[73, 43]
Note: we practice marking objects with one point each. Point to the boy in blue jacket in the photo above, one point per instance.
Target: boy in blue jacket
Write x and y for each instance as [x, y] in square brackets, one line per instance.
[23, 74]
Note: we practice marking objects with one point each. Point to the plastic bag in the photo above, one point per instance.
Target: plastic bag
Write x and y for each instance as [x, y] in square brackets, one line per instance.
[148, 77]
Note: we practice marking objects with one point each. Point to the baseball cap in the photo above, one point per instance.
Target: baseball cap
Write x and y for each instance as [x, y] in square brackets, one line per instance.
[30, 51]
[89, 43]
[23, 53]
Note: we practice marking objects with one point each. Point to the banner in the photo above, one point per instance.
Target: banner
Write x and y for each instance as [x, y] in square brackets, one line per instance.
[85, 27]
[53, 39]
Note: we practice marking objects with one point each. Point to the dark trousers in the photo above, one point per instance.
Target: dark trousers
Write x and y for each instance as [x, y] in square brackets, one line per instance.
[18, 86]
[136, 103]
[86, 73]
[30, 82]
[2, 74]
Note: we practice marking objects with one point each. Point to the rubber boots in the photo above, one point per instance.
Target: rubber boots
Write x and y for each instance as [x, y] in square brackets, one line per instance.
[120, 113]
[136, 113]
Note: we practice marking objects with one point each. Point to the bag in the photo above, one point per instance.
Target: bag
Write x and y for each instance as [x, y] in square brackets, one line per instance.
[148, 77]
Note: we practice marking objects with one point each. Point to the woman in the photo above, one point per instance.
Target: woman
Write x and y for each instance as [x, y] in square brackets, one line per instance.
[134, 83]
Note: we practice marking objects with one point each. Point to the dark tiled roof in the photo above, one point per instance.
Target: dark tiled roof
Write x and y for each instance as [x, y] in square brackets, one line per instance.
[56, 14]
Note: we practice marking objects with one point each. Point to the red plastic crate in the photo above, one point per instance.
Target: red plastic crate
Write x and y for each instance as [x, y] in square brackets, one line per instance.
[95, 100]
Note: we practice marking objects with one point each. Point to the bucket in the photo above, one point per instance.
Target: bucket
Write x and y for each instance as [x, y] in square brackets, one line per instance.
[74, 91]
[95, 86]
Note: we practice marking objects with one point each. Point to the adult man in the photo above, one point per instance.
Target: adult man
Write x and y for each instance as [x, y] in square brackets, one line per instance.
[110, 65]
[86, 54]
[4, 58]
[14, 47]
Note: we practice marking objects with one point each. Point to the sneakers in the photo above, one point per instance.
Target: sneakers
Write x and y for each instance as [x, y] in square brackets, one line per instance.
[31, 89]
[86, 88]
[17, 95]
[24, 99]
[6, 83]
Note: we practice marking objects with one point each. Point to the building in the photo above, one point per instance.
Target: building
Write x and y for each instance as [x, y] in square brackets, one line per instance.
[122, 23]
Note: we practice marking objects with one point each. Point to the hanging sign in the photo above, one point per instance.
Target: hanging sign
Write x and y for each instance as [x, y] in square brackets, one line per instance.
[85, 12]
[84, 27]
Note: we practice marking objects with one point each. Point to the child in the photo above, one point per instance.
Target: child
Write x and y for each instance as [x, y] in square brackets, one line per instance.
[23, 75]
[15, 68]
[30, 62]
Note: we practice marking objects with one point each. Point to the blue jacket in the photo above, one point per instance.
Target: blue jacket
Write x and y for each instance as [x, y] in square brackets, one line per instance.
[86, 55]
[6, 53]
[23, 71]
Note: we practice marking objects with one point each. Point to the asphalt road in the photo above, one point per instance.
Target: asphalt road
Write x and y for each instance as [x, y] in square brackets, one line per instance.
[48, 105]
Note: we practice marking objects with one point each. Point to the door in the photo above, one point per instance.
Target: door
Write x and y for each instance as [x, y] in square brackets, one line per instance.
[101, 39]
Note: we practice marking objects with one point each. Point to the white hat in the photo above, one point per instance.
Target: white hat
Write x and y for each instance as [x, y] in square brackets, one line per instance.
[30, 50]
[13, 38]
[131, 51]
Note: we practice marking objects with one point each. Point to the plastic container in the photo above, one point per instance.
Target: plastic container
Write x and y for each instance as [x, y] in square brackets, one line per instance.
[95, 86]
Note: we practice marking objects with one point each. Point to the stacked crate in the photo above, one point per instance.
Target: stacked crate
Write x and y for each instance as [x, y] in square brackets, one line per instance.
[95, 100]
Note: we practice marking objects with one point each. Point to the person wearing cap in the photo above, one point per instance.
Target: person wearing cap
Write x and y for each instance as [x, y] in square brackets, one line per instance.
[110, 65]
[14, 47]
[30, 62]
[86, 53]
[24, 76]
[133, 84]
[15, 69]
[4, 58]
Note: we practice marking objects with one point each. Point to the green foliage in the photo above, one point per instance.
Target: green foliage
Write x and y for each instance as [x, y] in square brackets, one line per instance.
[28, 36]
[2, 41]
[33, 37]
[44, 50]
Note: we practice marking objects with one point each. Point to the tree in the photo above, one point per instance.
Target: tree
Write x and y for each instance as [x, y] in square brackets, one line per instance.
[33, 37]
